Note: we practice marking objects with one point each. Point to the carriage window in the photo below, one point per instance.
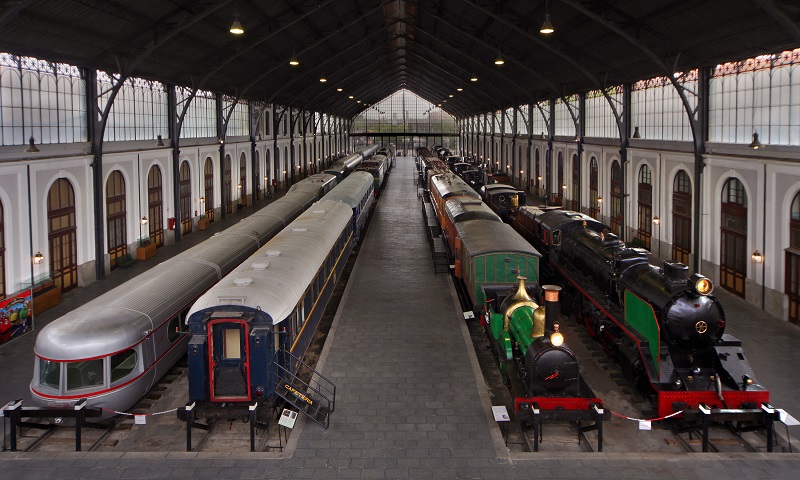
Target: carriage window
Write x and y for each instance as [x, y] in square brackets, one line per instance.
[49, 373]
[232, 343]
[88, 373]
[122, 364]
[556, 237]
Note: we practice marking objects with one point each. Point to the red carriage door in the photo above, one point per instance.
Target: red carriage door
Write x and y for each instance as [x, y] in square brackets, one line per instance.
[228, 357]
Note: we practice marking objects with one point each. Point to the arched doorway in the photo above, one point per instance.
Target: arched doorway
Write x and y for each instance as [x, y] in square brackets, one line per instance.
[155, 206]
[2, 252]
[576, 183]
[616, 197]
[558, 193]
[269, 172]
[227, 195]
[62, 236]
[185, 198]
[538, 181]
[257, 177]
[242, 186]
[644, 231]
[733, 237]
[792, 287]
[594, 200]
[116, 216]
[681, 217]
[208, 188]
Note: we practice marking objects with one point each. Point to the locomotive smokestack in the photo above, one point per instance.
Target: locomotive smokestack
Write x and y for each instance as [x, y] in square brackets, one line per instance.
[551, 307]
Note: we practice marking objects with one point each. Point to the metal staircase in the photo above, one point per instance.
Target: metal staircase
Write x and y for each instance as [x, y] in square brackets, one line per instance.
[307, 390]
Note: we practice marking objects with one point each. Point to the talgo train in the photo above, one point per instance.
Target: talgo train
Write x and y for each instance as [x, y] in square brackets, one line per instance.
[112, 350]
[251, 330]
[662, 326]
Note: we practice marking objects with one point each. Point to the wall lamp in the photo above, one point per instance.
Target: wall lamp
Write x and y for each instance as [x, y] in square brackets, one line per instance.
[757, 257]
[656, 221]
[38, 259]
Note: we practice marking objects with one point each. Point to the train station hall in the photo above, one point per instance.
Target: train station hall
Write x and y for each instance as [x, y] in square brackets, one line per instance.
[400, 239]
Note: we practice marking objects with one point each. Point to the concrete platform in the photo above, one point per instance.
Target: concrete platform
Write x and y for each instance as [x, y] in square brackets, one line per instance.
[411, 400]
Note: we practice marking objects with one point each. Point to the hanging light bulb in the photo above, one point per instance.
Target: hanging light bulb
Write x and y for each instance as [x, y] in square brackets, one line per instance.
[547, 27]
[499, 60]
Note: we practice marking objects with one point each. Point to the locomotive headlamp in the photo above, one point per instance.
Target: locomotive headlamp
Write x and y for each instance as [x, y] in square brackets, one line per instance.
[700, 284]
[556, 338]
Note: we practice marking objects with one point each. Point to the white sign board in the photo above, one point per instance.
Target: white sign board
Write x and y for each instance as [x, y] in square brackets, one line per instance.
[500, 414]
[139, 420]
[469, 315]
[288, 417]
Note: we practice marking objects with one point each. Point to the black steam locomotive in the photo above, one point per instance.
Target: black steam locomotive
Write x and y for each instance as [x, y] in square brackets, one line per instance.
[661, 325]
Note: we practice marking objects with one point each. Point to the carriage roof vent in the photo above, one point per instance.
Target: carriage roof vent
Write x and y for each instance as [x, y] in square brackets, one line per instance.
[258, 266]
[242, 281]
[299, 229]
[319, 211]
[273, 253]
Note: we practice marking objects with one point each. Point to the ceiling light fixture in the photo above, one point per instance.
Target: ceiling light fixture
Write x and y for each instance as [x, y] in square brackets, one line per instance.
[473, 79]
[350, 96]
[322, 79]
[236, 26]
[547, 27]
[293, 61]
[460, 89]
[499, 60]
[338, 89]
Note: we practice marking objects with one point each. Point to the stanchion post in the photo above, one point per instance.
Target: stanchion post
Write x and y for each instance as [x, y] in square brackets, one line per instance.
[253, 427]
[599, 412]
[13, 410]
[189, 424]
[770, 416]
[80, 407]
[706, 411]
[536, 426]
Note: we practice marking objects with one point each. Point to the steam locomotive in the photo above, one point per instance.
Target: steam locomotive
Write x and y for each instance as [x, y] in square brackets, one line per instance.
[661, 324]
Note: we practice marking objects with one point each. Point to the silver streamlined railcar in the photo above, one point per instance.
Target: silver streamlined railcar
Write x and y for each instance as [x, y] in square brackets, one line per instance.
[114, 348]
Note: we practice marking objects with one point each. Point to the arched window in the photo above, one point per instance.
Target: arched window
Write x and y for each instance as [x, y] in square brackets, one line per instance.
[242, 186]
[793, 262]
[208, 189]
[645, 207]
[227, 195]
[155, 206]
[594, 203]
[576, 183]
[733, 237]
[185, 189]
[2, 252]
[616, 197]
[62, 236]
[682, 217]
[116, 215]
